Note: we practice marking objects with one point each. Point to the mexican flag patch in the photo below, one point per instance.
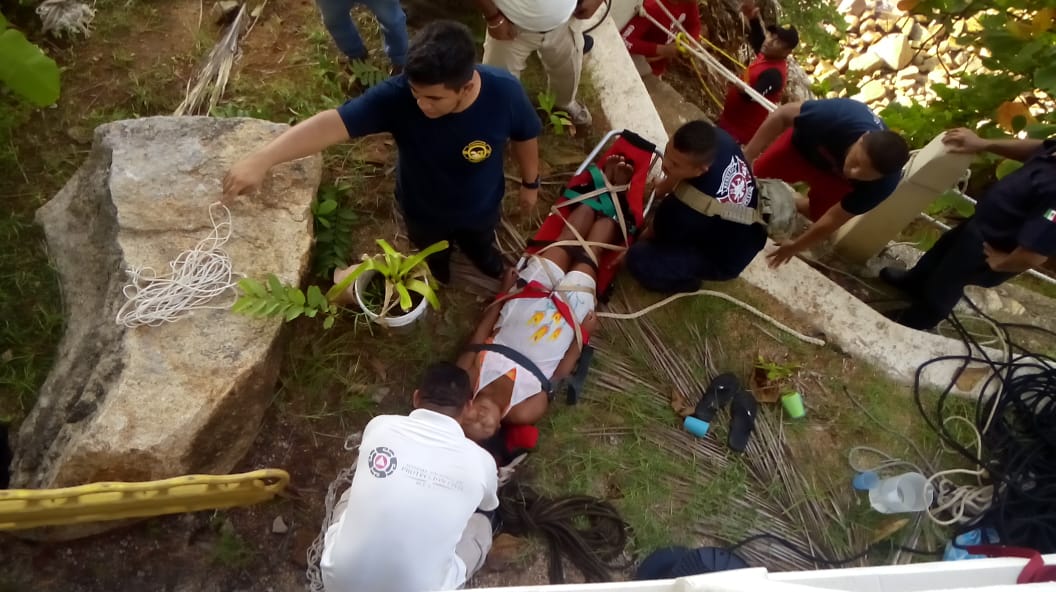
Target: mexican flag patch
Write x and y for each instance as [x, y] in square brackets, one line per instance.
[1050, 215]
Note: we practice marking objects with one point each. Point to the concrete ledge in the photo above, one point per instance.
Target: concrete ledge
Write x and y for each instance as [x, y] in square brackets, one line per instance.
[621, 92]
[848, 323]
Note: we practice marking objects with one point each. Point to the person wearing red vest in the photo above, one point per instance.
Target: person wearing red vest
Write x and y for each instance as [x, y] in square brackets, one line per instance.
[656, 45]
[767, 74]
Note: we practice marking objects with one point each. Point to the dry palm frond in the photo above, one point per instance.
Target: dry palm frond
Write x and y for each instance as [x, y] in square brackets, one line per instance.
[207, 86]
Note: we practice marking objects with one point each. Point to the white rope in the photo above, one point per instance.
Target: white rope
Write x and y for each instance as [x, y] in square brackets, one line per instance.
[198, 276]
[696, 49]
[66, 17]
[727, 298]
[344, 477]
[962, 503]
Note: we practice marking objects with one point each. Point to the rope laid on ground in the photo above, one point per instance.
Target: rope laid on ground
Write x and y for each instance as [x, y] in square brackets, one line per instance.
[587, 531]
[198, 276]
[727, 298]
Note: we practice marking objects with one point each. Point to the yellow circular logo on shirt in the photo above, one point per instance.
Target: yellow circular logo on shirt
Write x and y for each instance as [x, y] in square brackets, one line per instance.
[476, 151]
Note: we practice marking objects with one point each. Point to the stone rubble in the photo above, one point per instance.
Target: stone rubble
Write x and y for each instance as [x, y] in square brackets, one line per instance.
[889, 56]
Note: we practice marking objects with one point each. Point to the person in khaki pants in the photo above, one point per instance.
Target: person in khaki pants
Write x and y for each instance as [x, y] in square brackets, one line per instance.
[517, 28]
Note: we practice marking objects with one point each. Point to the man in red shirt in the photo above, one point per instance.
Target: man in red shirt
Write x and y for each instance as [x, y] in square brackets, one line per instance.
[656, 45]
[742, 116]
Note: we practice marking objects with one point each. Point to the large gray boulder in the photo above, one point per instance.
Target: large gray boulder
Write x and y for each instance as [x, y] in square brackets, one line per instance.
[184, 397]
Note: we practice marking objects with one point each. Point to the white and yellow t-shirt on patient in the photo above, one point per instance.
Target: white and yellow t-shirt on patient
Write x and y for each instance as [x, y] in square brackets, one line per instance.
[535, 327]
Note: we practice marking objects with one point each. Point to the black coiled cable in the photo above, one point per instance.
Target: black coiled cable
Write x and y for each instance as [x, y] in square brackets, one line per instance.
[1017, 426]
[587, 531]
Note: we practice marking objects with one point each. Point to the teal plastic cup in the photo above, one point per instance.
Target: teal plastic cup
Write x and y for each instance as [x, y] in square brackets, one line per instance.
[793, 404]
[697, 427]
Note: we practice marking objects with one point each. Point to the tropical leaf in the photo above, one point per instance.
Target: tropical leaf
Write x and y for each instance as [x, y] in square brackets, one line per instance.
[425, 290]
[316, 300]
[337, 289]
[328, 322]
[293, 312]
[243, 304]
[415, 260]
[295, 295]
[405, 296]
[252, 287]
[326, 207]
[274, 285]
[26, 70]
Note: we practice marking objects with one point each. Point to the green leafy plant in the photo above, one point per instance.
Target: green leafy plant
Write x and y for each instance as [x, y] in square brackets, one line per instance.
[403, 275]
[273, 298]
[25, 69]
[810, 18]
[557, 119]
[334, 223]
[366, 74]
[775, 371]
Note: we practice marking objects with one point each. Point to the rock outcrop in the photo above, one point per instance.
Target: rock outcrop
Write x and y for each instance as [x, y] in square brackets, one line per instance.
[185, 397]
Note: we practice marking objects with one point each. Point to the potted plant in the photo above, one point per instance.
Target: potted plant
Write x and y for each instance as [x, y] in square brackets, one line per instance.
[770, 378]
[381, 283]
[377, 285]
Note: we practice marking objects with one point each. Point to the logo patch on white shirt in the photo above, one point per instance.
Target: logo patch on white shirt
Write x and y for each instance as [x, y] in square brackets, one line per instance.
[736, 186]
[382, 461]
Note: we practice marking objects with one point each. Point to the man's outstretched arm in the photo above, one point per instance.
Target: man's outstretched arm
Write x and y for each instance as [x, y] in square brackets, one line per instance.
[966, 141]
[311, 136]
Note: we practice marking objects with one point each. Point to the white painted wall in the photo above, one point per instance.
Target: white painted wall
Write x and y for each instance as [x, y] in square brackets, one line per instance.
[976, 575]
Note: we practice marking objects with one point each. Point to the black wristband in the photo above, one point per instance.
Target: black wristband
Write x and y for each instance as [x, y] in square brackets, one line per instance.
[533, 184]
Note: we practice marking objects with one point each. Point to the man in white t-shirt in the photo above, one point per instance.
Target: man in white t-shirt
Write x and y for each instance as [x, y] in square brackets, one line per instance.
[408, 523]
[518, 28]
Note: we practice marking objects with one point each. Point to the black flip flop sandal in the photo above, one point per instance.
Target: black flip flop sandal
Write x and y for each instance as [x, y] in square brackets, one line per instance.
[718, 395]
[743, 410]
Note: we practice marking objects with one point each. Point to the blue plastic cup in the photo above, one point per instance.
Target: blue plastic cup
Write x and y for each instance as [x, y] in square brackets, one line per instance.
[865, 480]
[697, 427]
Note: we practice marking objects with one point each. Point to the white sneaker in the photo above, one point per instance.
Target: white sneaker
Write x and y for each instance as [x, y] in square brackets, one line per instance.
[579, 114]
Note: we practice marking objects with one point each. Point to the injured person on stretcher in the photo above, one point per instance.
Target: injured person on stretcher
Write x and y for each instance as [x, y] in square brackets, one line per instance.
[526, 334]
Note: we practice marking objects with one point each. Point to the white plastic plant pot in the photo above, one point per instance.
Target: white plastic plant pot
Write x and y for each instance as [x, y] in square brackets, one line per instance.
[394, 320]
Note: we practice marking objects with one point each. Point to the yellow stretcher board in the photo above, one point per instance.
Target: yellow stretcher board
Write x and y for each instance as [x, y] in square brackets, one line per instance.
[99, 502]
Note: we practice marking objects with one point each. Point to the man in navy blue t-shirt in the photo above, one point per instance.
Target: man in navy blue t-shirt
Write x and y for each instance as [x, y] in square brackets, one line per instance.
[451, 119]
[1013, 229]
[840, 148]
[684, 245]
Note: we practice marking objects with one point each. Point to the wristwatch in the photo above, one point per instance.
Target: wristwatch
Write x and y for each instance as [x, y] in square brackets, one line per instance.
[533, 184]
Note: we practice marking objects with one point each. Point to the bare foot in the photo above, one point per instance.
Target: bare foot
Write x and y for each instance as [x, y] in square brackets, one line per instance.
[617, 170]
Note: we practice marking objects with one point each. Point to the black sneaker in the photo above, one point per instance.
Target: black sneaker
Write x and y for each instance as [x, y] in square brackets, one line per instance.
[441, 270]
[493, 266]
[896, 278]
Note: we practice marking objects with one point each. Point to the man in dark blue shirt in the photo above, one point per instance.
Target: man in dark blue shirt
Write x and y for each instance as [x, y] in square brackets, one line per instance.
[688, 241]
[451, 120]
[1013, 229]
[838, 147]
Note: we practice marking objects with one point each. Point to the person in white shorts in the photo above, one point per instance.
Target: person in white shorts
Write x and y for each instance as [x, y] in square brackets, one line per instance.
[519, 28]
[542, 289]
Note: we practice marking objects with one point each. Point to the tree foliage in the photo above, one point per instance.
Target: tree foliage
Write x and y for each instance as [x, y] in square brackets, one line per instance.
[25, 69]
[810, 18]
[1017, 39]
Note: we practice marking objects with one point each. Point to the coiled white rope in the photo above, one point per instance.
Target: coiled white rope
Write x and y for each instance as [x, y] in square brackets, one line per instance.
[66, 17]
[198, 276]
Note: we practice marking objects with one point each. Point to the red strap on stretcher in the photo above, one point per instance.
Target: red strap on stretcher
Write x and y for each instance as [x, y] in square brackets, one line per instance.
[535, 289]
